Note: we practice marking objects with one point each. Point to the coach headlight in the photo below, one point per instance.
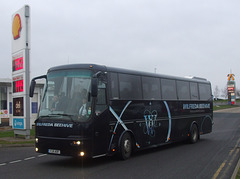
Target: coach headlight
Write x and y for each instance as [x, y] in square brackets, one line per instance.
[36, 140]
[76, 143]
[82, 154]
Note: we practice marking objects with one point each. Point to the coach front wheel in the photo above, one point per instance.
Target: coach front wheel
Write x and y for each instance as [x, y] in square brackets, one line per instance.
[125, 148]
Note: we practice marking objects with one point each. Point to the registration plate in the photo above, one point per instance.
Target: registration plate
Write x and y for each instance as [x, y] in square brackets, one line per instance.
[54, 151]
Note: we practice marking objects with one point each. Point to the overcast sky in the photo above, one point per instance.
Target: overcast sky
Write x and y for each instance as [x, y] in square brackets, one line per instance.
[177, 37]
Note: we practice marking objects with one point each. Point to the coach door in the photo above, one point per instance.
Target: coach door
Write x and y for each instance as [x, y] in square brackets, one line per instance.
[101, 123]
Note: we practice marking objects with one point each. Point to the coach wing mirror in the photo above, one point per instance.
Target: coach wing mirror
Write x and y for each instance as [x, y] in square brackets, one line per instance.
[94, 87]
[33, 84]
[32, 87]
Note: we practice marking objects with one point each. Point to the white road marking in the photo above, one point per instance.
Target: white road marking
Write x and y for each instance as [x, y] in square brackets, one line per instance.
[29, 158]
[26, 159]
[16, 161]
[42, 155]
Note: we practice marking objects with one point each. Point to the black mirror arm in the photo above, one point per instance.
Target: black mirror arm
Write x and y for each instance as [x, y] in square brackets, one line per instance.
[33, 83]
[39, 77]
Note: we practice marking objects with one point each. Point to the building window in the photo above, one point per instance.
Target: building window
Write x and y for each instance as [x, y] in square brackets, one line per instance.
[34, 107]
[3, 98]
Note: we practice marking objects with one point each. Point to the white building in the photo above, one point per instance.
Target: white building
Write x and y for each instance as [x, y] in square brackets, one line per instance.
[6, 110]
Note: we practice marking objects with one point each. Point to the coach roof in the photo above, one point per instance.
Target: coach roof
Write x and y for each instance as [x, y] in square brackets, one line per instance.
[103, 68]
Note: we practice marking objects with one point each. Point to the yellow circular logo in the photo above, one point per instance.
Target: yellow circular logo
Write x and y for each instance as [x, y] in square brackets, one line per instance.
[16, 26]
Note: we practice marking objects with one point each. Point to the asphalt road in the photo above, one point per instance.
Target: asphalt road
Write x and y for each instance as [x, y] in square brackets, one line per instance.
[214, 156]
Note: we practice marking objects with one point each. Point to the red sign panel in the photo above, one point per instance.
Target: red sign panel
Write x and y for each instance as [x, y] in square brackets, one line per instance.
[231, 89]
[17, 86]
[17, 64]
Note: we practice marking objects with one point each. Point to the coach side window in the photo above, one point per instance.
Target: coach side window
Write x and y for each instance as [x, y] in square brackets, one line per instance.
[168, 89]
[130, 86]
[114, 86]
[151, 88]
[205, 91]
[101, 99]
[194, 91]
[183, 90]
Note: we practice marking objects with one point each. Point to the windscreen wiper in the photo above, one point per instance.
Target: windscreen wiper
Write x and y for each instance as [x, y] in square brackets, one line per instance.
[68, 115]
[59, 114]
[49, 115]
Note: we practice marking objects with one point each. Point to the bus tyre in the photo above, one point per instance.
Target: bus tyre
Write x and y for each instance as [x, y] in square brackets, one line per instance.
[194, 135]
[125, 147]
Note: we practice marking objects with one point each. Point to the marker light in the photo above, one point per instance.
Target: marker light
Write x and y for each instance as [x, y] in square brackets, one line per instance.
[36, 140]
[36, 149]
[82, 154]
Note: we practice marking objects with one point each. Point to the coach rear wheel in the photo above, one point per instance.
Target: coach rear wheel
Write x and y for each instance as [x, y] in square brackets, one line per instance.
[125, 148]
[194, 134]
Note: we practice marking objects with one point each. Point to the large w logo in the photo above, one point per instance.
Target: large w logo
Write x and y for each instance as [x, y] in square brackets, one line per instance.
[150, 122]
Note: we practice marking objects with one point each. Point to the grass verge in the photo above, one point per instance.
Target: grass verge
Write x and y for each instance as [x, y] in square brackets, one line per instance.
[238, 174]
[10, 133]
[7, 137]
[224, 107]
[4, 142]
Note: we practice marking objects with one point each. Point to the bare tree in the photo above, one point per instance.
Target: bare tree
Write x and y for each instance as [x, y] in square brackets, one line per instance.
[238, 93]
[225, 92]
[216, 92]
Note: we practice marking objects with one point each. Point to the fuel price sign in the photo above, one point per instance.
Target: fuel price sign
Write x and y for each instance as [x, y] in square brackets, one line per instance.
[18, 84]
[17, 64]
